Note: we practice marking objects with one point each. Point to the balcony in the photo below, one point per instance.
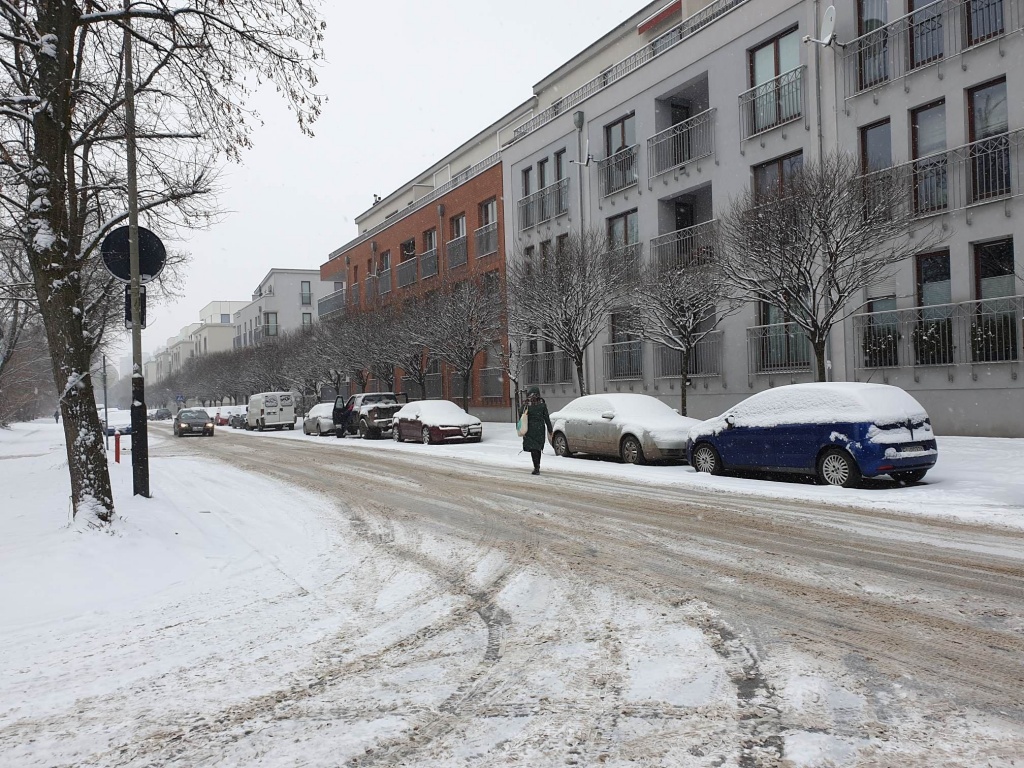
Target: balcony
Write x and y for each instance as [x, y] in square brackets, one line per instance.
[331, 304]
[370, 291]
[623, 360]
[428, 264]
[624, 262]
[407, 272]
[544, 204]
[685, 247]
[705, 359]
[926, 36]
[355, 295]
[486, 238]
[773, 103]
[978, 332]
[617, 172]
[547, 368]
[778, 348]
[384, 281]
[458, 252]
[681, 144]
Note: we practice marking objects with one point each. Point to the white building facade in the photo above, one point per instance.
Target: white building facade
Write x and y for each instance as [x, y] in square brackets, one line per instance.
[284, 301]
[650, 132]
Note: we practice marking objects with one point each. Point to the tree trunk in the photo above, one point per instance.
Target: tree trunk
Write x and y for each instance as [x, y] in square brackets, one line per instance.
[819, 360]
[686, 381]
[53, 255]
[579, 375]
[466, 378]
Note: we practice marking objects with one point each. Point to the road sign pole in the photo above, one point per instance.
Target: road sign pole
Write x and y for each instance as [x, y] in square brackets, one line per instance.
[140, 434]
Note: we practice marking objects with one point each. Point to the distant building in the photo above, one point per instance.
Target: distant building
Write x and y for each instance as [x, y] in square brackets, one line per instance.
[216, 332]
[284, 301]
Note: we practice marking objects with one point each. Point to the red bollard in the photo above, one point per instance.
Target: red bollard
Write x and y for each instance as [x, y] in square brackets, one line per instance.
[117, 446]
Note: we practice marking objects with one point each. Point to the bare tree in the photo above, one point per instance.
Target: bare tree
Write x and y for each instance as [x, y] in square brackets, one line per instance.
[682, 297]
[62, 168]
[814, 244]
[565, 298]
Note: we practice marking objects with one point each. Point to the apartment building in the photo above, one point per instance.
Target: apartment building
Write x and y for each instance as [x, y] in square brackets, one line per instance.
[444, 225]
[284, 301]
[216, 332]
[650, 132]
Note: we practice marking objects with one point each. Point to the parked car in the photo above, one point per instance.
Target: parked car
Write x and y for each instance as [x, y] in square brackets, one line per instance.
[238, 420]
[117, 421]
[635, 428]
[222, 416]
[319, 420]
[369, 413]
[192, 421]
[435, 421]
[838, 431]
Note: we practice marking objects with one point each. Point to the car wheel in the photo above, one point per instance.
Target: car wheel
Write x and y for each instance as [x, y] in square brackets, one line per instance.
[706, 459]
[561, 445]
[396, 434]
[909, 477]
[426, 436]
[364, 430]
[630, 451]
[837, 467]
[339, 431]
[259, 426]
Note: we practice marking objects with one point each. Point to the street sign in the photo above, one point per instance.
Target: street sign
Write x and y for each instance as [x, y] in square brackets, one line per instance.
[152, 255]
[128, 306]
[180, 399]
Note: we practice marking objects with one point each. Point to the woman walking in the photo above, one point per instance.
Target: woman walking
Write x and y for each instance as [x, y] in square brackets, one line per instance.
[537, 420]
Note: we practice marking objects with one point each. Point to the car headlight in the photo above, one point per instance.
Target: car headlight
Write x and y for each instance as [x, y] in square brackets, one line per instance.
[209, 424]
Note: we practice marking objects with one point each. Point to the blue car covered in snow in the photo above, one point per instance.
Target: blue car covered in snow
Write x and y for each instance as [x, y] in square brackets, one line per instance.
[838, 431]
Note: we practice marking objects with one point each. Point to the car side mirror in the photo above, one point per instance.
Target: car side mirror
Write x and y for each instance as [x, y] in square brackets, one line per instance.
[608, 415]
[730, 421]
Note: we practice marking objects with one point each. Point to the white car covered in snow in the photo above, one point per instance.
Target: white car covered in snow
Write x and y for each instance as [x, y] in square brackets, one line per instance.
[635, 428]
[435, 421]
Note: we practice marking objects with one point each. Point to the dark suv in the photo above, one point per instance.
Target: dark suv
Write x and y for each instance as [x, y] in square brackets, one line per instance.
[367, 414]
[160, 414]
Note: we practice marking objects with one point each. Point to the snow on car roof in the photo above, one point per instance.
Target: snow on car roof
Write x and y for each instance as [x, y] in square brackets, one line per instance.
[436, 411]
[629, 404]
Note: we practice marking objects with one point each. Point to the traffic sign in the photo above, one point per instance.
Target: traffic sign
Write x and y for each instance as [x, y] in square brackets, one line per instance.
[116, 256]
[128, 306]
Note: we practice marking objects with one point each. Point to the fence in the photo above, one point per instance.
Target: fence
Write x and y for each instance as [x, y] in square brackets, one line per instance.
[684, 247]
[617, 172]
[407, 272]
[486, 239]
[428, 264]
[547, 368]
[624, 360]
[705, 359]
[778, 348]
[772, 103]
[457, 251]
[682, 143]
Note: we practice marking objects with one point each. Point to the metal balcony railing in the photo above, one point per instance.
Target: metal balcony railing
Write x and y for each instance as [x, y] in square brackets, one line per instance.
[492, 383]
[680, 144]
[971, 174]
[458, 252]
[773, 103]
[331, 304]
[355, 295]
[926, 36]
[705, 359]
[547, 368]
[656, 47]
[624, 261]
[544, 204]
[434, 386]
[965, 333]
[684, 247]
[617, 172]
[407, 272]
[778, 348]
[384, 282]
[370, 292]
[428, 264]
[486, 239]
[624, 360]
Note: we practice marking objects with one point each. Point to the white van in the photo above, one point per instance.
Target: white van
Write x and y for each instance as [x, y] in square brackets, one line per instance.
[271, 409]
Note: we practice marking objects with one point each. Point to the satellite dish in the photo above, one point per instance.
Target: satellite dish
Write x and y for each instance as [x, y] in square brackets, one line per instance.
[828, 25]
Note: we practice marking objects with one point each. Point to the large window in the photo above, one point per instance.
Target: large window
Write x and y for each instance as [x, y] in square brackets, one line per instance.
[777, 97]
[458, 226]
[620, 135]
[488, 212]
[305, 293]
[559, 165]
[542, 173]
[270, 323]
[925, 32]
[527, 177]
[429, 240]
[984, 19]
[783, 345]
[875, 147]
[873, 53]
[995, 322]
[933, 332]
[623, 230]
[931, 184]
[771, 178]
[990, 146]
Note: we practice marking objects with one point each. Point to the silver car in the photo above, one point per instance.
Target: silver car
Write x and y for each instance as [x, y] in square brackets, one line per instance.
[319, 420]
[635, 428]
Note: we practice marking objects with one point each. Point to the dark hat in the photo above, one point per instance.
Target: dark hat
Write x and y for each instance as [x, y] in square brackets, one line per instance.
[533, 391]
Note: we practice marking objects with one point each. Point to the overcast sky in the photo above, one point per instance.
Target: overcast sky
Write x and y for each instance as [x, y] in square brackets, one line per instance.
[407, 82]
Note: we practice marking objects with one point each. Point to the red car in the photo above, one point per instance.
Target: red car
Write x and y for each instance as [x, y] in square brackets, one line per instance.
[435, 421]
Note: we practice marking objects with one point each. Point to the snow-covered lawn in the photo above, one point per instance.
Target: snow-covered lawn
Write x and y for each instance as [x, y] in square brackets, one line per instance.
[233, 620]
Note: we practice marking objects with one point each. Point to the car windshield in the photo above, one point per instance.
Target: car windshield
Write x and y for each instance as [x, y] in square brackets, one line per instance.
[193, 415]
[379, 399]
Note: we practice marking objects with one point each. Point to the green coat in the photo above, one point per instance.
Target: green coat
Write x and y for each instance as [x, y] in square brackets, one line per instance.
[537, 420]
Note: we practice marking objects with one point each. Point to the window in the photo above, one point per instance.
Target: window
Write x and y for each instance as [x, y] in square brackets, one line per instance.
[873, 54]
[307, 319]
[772, 178]
[928, 129]
[270, 321]
[932, 335]
[784, 345]
[527, 181]
[488, 212]
[880, 338]
[545, 255]
[620, 135]
[384, 262]
[990, 145]
[875, 147]
[225, 319]
[559, 165]
[625, 351]
[542, 173]
[925, 34]
[339, 285]
[777, 97]
[994, 325]
[408, 249]
[984, 20]
[623, 230]
[458, 226]
[429, 240]
[305, 292]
